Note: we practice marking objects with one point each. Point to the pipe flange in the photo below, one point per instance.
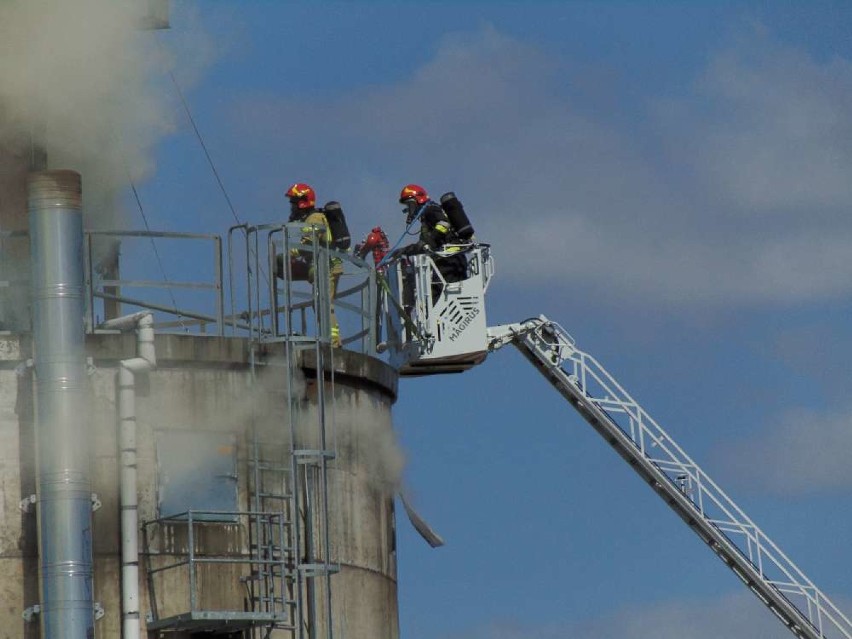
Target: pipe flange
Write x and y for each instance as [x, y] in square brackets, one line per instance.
[23, 368]
[27, 503]
[31, 612]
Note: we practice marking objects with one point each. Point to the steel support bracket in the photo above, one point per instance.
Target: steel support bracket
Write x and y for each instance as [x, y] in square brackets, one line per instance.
[31, 612]
[23, 367]
[91, 369]
[96, 502]
[27, 503]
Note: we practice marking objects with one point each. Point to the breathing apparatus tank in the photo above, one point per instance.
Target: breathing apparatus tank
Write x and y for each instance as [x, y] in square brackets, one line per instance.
[337, 225]
[458, 218]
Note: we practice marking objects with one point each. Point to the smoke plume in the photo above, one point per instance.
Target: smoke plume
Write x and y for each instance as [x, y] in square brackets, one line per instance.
[78, 79]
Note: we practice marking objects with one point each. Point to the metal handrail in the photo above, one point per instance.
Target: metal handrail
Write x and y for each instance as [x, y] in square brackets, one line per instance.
[275, 309]
[216, 285]
[268, 312]
[190, 559]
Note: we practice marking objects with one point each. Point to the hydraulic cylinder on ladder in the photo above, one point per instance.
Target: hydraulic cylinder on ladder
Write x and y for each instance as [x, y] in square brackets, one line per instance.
[442, 329]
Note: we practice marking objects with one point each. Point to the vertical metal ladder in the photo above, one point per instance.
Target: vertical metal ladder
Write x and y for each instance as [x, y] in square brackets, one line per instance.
[271, 583]
[313, 449]
[290, 470]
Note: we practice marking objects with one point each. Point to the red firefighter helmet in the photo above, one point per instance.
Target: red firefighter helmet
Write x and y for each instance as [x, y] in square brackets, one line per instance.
[413, 192]
[303, 194]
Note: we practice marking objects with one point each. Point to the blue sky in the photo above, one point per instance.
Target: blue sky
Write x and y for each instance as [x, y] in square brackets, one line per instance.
[668, 180]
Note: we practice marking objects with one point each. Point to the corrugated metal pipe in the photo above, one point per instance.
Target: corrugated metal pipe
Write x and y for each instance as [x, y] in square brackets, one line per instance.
[62, 437]
[144, 361]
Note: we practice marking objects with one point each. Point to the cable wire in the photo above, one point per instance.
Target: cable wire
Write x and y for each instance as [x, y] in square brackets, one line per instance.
[204, 147]
[154, 246]
[210, 162]
[389, 255]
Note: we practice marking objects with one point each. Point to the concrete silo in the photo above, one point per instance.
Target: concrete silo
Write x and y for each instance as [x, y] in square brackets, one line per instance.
[237, 483]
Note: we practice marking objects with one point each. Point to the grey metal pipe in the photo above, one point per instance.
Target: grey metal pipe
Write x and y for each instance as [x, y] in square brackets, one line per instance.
[64, 487]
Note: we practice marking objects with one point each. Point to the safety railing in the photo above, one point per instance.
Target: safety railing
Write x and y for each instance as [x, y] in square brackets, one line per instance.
[203, 291]
[282, 278]
[269, 297]
[217, 565]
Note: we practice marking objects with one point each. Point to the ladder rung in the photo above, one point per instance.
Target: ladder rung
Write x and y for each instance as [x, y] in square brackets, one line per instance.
[273, 599]
[271, 548]
[268, 466]
[304, 454]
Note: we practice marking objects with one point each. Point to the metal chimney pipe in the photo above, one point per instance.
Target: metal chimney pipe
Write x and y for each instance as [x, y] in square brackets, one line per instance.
[64, 489]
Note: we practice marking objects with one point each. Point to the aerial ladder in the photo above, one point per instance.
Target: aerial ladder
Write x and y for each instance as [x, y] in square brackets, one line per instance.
[441, 328]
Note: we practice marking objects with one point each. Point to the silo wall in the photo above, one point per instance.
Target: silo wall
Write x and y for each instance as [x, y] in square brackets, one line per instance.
[204, 387]
[362, 483]
[14, 245]
[18, 532]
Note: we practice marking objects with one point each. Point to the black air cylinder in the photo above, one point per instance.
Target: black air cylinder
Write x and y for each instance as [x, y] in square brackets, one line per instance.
[458, 218]
[337, 225]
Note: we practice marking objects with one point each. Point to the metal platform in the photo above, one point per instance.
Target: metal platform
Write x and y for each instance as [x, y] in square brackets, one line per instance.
[216, 622]
[435, 366]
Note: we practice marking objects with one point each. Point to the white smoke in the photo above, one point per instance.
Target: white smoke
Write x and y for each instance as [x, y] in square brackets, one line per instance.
[383, 454]
[82, 86]
[80, 78]
[360, 431]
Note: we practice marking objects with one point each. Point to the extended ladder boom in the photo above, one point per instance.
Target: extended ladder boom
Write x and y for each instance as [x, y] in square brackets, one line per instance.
[687, 489]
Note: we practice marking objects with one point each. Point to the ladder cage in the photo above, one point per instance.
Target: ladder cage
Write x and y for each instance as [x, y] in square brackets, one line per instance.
[284, 536]
[279, 287]
[270, 489]
[173, 543]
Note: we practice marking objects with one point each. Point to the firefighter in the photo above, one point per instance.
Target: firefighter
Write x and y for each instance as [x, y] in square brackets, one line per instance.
[303, 209]
[437, 238]
[436, 233]
[376, 242]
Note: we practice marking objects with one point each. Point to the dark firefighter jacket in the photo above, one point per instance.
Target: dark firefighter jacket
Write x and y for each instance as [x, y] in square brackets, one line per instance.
[435, 233]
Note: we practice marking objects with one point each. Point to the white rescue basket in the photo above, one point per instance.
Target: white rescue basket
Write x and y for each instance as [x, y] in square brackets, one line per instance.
[434, 326]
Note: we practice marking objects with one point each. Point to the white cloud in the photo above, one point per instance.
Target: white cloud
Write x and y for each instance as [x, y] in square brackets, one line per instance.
[734, 193]
[801, 452]
[772, 130]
